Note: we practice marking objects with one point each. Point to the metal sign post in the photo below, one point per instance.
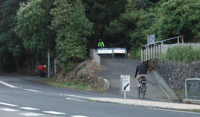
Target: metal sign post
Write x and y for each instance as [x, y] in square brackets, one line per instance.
[125, 84]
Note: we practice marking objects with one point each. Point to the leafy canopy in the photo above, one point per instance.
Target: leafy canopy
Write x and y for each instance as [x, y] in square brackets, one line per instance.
[177, 17]
[72, 28]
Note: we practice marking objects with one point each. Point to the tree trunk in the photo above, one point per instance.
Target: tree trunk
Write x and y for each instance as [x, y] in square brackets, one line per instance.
[182, 38]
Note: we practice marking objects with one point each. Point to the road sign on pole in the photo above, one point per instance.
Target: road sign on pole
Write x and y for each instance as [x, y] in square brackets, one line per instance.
[125, 83]
[151, 39]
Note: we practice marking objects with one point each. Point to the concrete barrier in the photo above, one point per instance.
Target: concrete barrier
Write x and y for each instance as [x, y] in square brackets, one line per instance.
[94, 55]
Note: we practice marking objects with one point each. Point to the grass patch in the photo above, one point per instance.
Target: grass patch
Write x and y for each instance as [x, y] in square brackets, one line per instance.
[195, 110]
[69, 84]
[43, 80]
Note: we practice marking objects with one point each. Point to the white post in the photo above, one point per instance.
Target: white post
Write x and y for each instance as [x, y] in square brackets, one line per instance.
[124, 94]
[161, 49]
[151, 53]
[48, 64]
[141, 55]
[146, 53]
[156, 54]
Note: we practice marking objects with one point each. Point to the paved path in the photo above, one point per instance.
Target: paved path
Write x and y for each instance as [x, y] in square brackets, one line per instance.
[113, 68]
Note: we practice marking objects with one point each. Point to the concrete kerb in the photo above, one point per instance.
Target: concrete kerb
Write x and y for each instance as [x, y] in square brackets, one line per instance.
[165, 87]
[147, 104]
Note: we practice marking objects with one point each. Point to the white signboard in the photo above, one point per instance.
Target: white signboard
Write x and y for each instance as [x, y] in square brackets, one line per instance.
[119, 51]
[125, 79]
[150, 39]
[105, 51]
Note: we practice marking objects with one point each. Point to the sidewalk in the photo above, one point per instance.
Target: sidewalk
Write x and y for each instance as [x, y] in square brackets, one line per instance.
[148, 104]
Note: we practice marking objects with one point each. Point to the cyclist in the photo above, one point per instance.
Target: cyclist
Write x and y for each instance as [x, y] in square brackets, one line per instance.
[141, 71]
[101, 44]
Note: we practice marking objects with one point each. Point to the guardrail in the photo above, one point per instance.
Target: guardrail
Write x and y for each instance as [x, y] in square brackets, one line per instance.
[112, 51]
[154, 51]
[192, 88]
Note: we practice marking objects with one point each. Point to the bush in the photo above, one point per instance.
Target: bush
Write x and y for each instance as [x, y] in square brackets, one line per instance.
[137, 54]
[183, 54]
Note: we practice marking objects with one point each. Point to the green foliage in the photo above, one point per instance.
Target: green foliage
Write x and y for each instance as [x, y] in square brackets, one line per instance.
[32, 26]
[72, 28]
[183, 54]
[139, 36]
[137, 54]
[101, 13]
[177, 17]
[144, 4]
[11, 47]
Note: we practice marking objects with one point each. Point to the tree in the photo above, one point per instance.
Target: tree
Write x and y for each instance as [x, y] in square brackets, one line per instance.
[72, 28]
[144, 4]
[101, 13]
[32, 26]
[177, 17]
[11, 47]
[145, 20]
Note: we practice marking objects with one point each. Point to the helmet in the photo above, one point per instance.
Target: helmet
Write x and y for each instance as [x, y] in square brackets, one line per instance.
[141, 62]
[100, 39]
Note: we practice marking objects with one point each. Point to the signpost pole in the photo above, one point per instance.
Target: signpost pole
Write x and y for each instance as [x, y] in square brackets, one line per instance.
[124, 95]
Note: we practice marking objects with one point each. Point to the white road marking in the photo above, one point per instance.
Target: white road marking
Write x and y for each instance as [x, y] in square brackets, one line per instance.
[30, 114]
[54, 112]
[75, 96]
[175, 111]
[78, 116]
[74, 99]
[9, 110]
[29, 108]
[32, 90]
[8, 85]
[6, 104]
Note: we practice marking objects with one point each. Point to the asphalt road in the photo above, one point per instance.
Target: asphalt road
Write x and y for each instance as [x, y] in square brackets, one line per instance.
[113, 68]
[22, 96]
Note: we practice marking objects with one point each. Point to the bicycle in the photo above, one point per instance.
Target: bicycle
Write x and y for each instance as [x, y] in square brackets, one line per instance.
[142, 88]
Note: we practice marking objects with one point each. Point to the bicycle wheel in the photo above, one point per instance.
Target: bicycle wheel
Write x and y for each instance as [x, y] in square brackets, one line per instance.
[143, 90]
[138, 91]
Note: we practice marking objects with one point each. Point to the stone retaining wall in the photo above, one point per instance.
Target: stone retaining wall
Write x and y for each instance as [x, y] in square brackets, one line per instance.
[175, 73]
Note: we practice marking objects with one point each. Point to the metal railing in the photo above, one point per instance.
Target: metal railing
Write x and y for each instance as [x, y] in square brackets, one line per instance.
[195, 85]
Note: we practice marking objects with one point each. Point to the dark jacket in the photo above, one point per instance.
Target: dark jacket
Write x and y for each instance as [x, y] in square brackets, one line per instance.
[141, 69]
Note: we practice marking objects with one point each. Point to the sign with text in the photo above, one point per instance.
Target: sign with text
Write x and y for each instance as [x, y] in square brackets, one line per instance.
[150, 39]
[104, 51]
[125, 82]
[119, 50]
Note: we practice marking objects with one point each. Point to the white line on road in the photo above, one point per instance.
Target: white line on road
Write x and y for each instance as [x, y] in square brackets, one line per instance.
[9, 110]
[78, 116]
[74, 99]
[6, 104]
[8, 85]
[30, 114]
[75, 96]
[175, 111]
[32, 90]
[54, 112]
[29, 108]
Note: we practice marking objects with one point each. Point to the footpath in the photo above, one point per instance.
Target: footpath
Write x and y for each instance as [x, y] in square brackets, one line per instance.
[158, 95]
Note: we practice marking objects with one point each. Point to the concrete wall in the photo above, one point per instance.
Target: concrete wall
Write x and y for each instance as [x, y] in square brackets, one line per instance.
[95, 56]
